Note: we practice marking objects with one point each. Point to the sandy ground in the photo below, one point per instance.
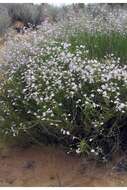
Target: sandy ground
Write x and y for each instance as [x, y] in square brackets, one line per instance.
[48, 166]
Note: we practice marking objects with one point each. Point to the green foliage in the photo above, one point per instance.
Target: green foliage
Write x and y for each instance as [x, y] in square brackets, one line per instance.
[84, 147]
[100, 44]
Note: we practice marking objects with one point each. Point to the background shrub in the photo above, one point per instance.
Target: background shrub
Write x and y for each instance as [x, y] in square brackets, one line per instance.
[27, 13]
[4, 20]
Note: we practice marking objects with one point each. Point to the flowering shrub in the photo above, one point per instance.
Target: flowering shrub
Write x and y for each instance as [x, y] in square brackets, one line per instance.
[66, 94]
[55, 89]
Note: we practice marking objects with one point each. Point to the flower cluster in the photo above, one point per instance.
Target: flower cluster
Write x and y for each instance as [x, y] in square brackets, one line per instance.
[64, 89]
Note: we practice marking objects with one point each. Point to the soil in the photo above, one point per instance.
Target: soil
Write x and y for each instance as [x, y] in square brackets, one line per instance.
[51, 166]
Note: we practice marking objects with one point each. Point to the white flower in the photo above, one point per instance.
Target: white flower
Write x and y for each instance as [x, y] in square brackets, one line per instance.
[65, 45]
[68, 133]
[92, 150]
[78, 151]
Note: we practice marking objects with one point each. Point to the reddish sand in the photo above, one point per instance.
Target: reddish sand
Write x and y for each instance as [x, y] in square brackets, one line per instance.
[48, 166]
